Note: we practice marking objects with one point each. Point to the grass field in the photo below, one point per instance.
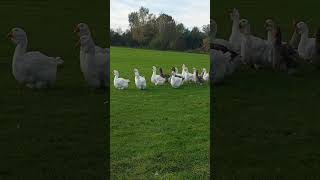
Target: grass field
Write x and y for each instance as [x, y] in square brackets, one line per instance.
[266, 124]
[63, 130]
[159, 133]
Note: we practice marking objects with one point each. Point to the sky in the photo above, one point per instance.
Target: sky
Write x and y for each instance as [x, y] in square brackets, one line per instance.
[189, 12]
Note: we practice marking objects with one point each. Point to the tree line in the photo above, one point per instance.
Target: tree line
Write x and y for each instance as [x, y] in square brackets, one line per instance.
[146, 30]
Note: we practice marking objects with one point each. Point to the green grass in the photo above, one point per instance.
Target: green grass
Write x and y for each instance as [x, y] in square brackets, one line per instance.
[63, 129]
[266, 124]
[161, 130]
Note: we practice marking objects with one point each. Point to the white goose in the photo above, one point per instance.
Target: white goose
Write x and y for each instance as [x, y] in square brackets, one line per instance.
[157, 79]
[236, 36]
[187, 76]
[254, 50]
[194, 77]
[177, 72]
[283, 54]
[220, 43]
[95, 63]
[175, 81]
[33, 69]
[205, 74]
[224, 61]
[220, 62]
[307, 46]
[83, 29]
[120, 83]
[139, 80]
[271, 28]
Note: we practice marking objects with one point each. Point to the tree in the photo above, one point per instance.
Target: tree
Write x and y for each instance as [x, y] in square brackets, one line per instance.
[206, 40]
[142, 25]
[160, 32]
[166, 29]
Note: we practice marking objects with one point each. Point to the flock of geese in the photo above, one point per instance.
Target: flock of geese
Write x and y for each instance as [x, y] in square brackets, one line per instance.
[37, 70]
[245, 48]
[175, 79]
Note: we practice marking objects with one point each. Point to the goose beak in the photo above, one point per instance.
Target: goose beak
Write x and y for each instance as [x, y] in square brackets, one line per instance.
[76, 30]
[10, 35]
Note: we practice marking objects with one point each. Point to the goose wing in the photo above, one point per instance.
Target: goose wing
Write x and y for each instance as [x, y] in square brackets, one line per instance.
[37, 60]
[99, 49]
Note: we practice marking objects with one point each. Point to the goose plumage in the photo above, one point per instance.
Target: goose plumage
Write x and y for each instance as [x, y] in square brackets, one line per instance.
[307, 46]
[205, 74]
[82, 29]
[188, 77]
[254, 50]
[33, 69]
[236, 36]
[157, 79]
[224, 61]
[95, 63]
[175, 80]
[139, 80]
[120, 83]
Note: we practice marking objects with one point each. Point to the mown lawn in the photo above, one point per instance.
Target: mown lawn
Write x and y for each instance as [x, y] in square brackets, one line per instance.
[62, 133]
[266, 124]
[159, 133]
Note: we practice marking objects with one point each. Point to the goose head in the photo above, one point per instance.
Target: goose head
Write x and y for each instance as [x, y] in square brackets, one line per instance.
[244, 26]
[136, 72]
[186, 69]
[82, 29]
[17, 36]
[301, 27]
[204, 70]
[86, 43]
[154, 68]
[269, 25]
[116, 73]
[234, 15]
[175, 69]
[173, 73]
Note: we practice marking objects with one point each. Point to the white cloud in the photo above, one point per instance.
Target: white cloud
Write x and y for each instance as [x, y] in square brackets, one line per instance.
[189, 12]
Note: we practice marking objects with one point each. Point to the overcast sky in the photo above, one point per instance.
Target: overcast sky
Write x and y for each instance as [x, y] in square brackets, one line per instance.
[189, 12]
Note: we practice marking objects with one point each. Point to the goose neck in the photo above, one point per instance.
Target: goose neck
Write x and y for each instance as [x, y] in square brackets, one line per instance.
[153, 72]
[235, 25]
[20, 49]
[304, 35]
[269, 35]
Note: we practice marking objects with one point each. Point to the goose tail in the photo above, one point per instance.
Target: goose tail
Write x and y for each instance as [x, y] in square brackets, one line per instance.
[59, 60]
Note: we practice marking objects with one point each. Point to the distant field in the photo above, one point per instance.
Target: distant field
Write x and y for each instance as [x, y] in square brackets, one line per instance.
[266, 123]
[63, 131]
[159, 133]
